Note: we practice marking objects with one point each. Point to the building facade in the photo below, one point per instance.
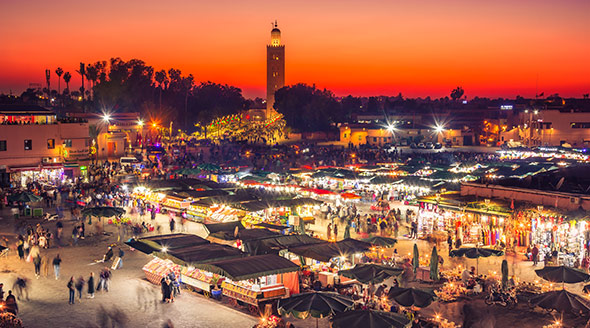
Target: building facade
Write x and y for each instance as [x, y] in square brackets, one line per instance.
[34, 144]
[275, 67]
[550, 127]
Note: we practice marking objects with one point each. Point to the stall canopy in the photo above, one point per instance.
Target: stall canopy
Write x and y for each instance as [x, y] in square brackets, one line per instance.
[252, 234]
[250, 267]
[328, 250]
[278, 243]
[199, 194]
[259, 205]
[203, 253]
[225, 230]
[271, 226]
[170, 242]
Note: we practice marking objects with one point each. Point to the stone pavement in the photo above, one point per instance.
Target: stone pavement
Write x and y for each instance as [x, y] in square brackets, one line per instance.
[138, 300]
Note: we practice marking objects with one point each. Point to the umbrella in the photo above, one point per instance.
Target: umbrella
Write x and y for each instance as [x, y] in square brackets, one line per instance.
[369, 319]
[475, 253]
[411, 296]
[504, 273]
[562, 301]
[103, 211]
[26, 197]
[381, 241]
[208, 167]
[371, 273]
[434, 265]
[416, 258]
[315, 304]
[347, 232]
[562, 274]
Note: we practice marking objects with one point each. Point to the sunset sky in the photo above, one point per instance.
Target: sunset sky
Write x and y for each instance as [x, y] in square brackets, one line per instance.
[419, 48]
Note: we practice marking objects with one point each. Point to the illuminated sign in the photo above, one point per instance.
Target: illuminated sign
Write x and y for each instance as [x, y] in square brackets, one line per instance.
[506, 107]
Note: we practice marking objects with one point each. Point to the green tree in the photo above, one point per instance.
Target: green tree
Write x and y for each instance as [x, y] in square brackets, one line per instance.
[306, 108]
[162, 78]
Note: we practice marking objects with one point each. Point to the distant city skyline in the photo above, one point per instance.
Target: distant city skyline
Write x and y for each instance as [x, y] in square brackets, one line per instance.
[492, 49]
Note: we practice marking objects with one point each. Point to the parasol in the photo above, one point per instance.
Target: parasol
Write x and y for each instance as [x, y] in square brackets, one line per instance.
[371, 273]
[434, 265]
[475, 253]
[562, 301]
[370, 319]
[416, 258]
[411, 296]
[562, 274]
[25, 197]
[315, 304]
[380, 241]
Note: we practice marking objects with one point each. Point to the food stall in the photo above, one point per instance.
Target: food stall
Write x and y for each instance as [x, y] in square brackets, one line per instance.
[329, 257]
[157, 269]
[471, 220]
[255, 280]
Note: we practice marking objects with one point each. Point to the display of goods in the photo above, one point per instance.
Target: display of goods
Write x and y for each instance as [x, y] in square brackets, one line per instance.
[274, 293]
[157, 268]
[450, 292]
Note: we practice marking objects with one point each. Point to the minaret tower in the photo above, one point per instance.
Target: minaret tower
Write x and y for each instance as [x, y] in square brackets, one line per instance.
[275, 67]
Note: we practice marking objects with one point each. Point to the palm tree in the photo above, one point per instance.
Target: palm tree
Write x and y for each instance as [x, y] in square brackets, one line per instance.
[59, 71]
[162, 78]
[82, 72]
[92, 75]
[188, 83]
[67, 78]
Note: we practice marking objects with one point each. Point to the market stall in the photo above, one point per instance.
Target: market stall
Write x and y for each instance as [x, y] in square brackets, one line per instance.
[158, 268]
[256, 280]
[470, 220]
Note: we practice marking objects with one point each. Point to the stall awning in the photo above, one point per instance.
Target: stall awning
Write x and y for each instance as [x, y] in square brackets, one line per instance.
[252, 234]
[255, 206]
[170, 242]
[204, 253]
[224, 230]
[250, 267]
[271, 226]
[326, 251]
[278, 243]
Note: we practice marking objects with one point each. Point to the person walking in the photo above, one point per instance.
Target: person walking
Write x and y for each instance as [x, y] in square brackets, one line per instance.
[44, 266]
[121, 254]
[91, 285]
[79, 286]
[335, 232]
[172, 224]
[535, 254]
[329, 231]
[71, 290]
[37, 263]
[56, 266]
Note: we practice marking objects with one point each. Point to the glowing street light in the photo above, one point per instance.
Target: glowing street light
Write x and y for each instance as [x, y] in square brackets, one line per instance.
[140, 122]
[106, 117]
[439, 128]
[390, 128]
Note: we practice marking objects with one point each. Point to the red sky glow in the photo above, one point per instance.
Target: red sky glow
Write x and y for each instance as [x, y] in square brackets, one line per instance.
[419, 48]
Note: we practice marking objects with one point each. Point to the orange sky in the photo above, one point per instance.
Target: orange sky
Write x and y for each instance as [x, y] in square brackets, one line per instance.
[419, 48]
